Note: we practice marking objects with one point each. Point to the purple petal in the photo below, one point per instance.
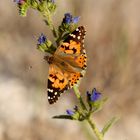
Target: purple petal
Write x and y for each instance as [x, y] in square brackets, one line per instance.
[75, 19]
[95, 95]
[70, 112]
[67, 18]
[42, 39]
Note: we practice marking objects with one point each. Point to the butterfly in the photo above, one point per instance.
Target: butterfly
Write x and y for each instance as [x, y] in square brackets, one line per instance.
[67, 65]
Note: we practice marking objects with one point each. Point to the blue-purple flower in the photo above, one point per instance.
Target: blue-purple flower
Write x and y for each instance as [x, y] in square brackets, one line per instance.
[69, 19]
[94, 95]
[75, 19]
[70, 112]
[42, 39]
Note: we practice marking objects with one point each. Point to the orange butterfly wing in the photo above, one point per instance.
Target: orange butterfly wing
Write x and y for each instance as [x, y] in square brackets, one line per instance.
[68, 66]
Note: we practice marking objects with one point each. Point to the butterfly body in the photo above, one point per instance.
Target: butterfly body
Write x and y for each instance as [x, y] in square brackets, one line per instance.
[67, 65]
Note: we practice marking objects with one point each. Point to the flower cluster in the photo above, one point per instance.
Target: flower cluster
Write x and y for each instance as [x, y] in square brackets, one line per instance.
[93, 96]
[45, 45]
[68, 24]
[72, 112]
[40, 5]
[94, 100]
[42, 39]
[68, 19]
[23, 7]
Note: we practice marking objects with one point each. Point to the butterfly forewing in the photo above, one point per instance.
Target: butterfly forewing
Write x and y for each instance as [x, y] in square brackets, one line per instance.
[74, 43]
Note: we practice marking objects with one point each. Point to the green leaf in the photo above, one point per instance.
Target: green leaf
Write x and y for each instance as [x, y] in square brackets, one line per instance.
[46, 22]
[109, 124]
[42, 47]
[63, 117]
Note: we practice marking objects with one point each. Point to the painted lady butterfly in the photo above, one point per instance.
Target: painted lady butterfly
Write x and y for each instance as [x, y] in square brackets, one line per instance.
[67, 65]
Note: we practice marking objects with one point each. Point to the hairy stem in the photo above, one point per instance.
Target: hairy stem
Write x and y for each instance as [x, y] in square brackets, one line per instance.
[95, 129]
[77, 93]
[48, 19]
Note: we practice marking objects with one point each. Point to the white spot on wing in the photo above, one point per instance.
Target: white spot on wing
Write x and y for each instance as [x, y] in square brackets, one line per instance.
[73, 35]
[78, 37]
[50, 90]
[77, 29]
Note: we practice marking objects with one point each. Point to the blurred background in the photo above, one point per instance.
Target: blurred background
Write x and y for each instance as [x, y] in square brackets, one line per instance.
[112, 43]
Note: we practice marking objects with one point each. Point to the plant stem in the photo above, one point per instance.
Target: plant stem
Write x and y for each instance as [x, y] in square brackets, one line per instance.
[95, 129]
[46, 13]
[77, 93]
[86, 131]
